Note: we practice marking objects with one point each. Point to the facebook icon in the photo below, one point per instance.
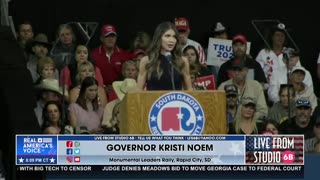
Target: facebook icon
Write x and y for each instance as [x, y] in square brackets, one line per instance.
[69, 151]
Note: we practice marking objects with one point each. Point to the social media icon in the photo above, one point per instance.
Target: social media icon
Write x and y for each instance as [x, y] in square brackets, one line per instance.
[69, 151]
[69, 159]
[76, 144]
[69, 144]
[77, 159]
[76, 151]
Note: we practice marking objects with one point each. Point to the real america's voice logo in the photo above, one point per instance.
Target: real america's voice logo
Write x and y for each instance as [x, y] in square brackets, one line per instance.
[176, 113]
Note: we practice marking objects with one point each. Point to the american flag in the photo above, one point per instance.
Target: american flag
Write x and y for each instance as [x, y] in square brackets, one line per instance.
[298, 148]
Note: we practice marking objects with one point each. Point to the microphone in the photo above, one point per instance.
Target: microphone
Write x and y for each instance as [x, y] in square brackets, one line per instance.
[168, 57]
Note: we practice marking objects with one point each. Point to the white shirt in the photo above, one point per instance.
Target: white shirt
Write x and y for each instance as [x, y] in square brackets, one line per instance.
[199, 48]
[279, 76]
[269, 62]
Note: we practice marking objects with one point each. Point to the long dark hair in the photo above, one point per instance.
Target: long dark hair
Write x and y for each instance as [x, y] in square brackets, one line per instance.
[154, 49]
[73, 66]
[45, 115]
[87, 82]
[197, 63]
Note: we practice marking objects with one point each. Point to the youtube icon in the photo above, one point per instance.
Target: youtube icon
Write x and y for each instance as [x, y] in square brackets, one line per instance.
[76, 159]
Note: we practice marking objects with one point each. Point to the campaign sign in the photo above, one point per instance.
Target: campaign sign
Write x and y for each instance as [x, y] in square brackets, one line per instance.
[207, 82]
[35, 150]
[220, 51]
[176, 113]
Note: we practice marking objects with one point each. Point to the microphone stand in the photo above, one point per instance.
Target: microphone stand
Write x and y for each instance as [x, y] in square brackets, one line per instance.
[288, 84]
[172, 76]
[63, 121]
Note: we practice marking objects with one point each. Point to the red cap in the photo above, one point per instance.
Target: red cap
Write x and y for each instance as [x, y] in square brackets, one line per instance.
[139, 51]
[239, 38]
[108, 29]
[181, 24]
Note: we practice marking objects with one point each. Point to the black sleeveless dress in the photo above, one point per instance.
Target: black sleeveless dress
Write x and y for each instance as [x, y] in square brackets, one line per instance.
[165, 81]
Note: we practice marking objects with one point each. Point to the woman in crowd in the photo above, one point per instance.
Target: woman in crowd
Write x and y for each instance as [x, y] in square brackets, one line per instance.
[52, 115]
[130, 70]
[64, 47]
[272, 126]
[280, 110]
[245, 122]
[86, 69]
[69, 73]
[87, 112]
[190, 52]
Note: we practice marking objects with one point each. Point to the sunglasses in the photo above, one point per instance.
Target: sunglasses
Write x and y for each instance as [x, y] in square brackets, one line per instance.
[303, 104]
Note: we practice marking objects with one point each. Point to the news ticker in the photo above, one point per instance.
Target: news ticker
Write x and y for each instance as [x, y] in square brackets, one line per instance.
[159, 150]
[152, 168]
[168, 171]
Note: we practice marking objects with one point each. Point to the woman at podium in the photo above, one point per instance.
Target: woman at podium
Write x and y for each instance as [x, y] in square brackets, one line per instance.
[164, 68]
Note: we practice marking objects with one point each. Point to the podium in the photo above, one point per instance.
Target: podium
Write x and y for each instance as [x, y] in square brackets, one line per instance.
[135, 108]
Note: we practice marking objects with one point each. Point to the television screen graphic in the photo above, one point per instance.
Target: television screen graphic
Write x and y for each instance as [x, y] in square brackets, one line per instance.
[244, 156]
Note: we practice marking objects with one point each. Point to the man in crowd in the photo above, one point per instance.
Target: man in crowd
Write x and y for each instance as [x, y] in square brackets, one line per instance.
[182, 25]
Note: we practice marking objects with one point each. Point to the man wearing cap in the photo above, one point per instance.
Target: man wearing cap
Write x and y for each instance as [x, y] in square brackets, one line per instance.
[183, 27]
[121, 88]
[280, 76]
[301, 89]
[39, 49]
[48, 90]
[301, 123]
[232, 95]
[219, 32]
[246, 87]
[310, 144]
[109, 58]
[239, 48]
